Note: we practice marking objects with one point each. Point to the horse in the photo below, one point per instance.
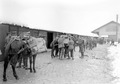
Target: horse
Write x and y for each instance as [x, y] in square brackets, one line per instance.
[29, 53]
[12, 54]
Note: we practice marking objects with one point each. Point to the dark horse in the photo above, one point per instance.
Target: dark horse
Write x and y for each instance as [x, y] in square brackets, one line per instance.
[28, 52]
[13, 53]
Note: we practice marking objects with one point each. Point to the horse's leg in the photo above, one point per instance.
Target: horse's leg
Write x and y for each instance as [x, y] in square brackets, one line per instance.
[20, 62]
[14, 72]
[74, 47]
[59, 52]
[69, 53]
[72, 54]
[26, 63]
[6, 61]
[62, 53]
[34, 57]
[52, 52]
[23, 62]
[56, 53]
[65, 52]
[30, 60]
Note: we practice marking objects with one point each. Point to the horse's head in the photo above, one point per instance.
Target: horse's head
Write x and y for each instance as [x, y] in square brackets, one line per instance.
[26, 46]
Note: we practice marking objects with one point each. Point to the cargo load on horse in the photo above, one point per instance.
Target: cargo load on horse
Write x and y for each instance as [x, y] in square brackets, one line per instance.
[41, 44]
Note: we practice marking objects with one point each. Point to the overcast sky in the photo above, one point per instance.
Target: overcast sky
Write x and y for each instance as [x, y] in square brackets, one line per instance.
[72, 16]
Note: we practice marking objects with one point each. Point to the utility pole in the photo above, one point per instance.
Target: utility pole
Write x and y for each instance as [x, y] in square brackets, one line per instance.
[117, 28]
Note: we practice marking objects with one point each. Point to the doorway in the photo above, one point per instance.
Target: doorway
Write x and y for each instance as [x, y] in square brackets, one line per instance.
[49, 39]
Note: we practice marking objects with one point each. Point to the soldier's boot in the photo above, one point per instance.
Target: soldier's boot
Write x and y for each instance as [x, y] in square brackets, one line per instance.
[68, 56]
[72, 57]
[26, 65]
[52, 53]
[56, 53]
[82, 55]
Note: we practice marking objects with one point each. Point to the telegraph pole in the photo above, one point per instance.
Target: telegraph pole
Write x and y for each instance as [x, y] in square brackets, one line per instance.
[117, 28]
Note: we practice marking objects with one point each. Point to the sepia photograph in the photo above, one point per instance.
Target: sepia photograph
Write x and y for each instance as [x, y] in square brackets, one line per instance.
[59, 41]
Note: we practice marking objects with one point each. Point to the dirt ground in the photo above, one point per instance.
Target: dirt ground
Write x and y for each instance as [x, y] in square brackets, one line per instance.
[93, 69]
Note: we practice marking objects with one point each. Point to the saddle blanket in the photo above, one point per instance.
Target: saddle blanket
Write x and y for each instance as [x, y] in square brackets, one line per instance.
[37, 45]
[41, 44]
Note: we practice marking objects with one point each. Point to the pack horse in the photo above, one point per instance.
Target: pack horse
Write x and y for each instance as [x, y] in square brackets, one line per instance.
[18, 47]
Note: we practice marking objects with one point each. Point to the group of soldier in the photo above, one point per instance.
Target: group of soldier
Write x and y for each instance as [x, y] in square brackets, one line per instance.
[64, 45]
[61, 46]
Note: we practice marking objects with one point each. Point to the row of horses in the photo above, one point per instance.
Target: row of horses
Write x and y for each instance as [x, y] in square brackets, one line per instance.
[17, 48]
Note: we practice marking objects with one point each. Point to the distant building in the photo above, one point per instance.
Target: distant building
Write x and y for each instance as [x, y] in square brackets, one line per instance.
[109, 30]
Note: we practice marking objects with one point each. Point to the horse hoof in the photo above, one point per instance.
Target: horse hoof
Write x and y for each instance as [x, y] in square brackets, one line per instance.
[18, 67]
[34, 71]
[27, 68]
[4, 80]
[17, 78]
[30, 71]
[81, 57]
[68, 58]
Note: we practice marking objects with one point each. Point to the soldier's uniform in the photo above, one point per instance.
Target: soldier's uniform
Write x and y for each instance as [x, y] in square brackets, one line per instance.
[75, 41]
[85, 42]
[26, 37]
[90, 43]
[54, 46]
[71, 47]
[81, 46]
[66, 45]
[61, 46]
[94, 43]
[112, 42]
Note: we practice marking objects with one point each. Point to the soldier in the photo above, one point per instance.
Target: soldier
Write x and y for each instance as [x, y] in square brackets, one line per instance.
[71, 47]
[95, 42]
[54, 46]
[75, 41]
[85, 42]
[61, 46]
[81, 46]
[90, 43]
[66, 45]
[24, 59]
[112, 42]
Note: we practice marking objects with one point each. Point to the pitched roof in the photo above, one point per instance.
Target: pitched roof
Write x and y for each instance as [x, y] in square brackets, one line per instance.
[97, 30]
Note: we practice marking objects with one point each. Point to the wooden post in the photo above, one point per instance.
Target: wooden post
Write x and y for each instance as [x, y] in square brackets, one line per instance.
[9, 28]
[17, 30]
[117, 28]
